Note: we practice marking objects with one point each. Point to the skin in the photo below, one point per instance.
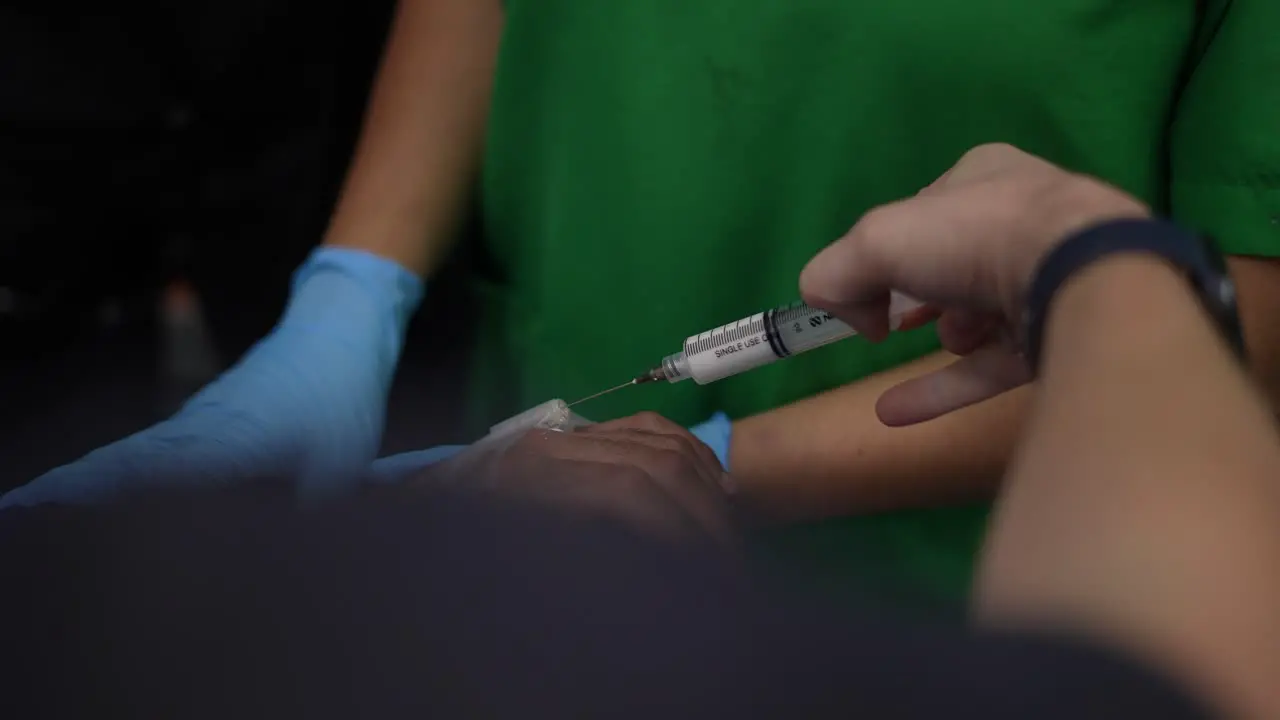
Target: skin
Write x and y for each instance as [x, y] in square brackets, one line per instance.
[1141, 507]
[832, 455]
[423, 132]
[643, 471]
[1099, 507]
[826, 455]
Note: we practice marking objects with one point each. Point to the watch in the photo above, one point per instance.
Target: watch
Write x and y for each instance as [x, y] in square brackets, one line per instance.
[1193, 254]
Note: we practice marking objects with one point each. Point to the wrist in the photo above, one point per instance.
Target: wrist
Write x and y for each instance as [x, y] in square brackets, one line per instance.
[1069, 211]
[1139, 297]
[355, 299]
[1181, 254]
[388, 285]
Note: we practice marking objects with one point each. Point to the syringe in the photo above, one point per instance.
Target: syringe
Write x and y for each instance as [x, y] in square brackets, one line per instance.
[759, 340]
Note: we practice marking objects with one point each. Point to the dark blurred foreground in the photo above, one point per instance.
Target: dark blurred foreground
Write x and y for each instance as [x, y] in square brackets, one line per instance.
[399, 605]
[146, 142]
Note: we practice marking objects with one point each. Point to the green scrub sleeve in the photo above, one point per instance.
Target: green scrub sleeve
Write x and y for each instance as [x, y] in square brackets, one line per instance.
[1225, 143]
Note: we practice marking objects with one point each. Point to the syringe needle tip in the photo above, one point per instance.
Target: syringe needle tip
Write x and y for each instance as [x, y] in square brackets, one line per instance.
[602, 392]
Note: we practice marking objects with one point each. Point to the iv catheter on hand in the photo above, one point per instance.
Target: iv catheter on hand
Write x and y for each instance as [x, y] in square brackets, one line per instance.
[759, 340]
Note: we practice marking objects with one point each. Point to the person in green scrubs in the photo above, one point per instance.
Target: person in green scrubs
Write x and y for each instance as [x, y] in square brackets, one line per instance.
[653, 168]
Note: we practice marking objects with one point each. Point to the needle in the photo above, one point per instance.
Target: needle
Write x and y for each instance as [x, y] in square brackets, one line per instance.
[603, 392]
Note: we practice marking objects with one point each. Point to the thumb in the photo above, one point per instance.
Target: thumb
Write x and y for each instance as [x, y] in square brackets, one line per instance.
[932, 247]
[985, 373]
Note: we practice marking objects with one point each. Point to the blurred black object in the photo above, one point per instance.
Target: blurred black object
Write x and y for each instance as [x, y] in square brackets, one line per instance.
[400, 605]
[143, 141]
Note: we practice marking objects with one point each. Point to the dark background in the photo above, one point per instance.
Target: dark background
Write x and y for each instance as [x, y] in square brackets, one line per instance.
[148, 142]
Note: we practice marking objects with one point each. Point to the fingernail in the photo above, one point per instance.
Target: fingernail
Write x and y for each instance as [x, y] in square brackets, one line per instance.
[727, 484]
[900, 306]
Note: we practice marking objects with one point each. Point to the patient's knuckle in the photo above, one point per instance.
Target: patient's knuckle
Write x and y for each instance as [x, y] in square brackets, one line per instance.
[630, 481]
[672, 464]
[651, 422]
[668, 442]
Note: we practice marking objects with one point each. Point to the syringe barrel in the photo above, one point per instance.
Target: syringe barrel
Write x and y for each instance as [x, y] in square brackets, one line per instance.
[762, 339]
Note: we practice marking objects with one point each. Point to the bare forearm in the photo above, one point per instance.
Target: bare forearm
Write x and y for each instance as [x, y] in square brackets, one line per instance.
[1258, 284]
[424, 129]
[1144, 504]
[830, 454]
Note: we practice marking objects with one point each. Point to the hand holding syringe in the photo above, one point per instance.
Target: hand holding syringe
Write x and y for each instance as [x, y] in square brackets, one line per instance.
[755, 341]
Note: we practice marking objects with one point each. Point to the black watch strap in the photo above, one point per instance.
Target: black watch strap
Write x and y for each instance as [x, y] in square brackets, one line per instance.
[1183, 249]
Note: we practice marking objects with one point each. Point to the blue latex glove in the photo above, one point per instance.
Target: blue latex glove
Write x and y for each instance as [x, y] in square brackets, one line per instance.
[308, 401]
[715, 432]
[394, 469]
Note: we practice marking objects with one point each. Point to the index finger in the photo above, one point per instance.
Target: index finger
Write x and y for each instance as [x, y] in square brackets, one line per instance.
[929, 247]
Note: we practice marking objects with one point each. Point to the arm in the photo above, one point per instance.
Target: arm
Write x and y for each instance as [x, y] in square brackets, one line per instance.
[1143, 506]
[309, 399]
[1258, 283]
[1224, 152]
[831, 454]
[423, 133]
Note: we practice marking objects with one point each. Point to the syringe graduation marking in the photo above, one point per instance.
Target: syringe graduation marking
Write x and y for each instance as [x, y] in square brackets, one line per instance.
[795, 312]
[724, 334]
[733, 332]
[758, 340]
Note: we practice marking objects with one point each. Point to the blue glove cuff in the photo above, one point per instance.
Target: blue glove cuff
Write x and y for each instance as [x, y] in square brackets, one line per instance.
[394, 292]
[384, 277]
[340, 338]
[717, 434]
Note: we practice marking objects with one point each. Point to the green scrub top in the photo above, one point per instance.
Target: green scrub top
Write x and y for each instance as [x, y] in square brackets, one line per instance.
[658, 167]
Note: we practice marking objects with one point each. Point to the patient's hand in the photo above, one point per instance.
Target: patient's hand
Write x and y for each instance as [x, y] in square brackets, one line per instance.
[643, 470]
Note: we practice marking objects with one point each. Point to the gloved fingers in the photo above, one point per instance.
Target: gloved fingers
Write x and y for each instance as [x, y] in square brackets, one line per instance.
[306, 403]
[64, 485]
[716, 432]
[211, 449]
[397, 468]
[170, 454]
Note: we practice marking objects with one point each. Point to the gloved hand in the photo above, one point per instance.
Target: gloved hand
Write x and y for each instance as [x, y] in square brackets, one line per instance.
[715, 432]
[308, 401]
[394, 469]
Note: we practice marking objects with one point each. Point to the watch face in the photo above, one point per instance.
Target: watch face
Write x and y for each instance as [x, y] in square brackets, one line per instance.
[1229, 315]
[1225, 292]
[1218, 292]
